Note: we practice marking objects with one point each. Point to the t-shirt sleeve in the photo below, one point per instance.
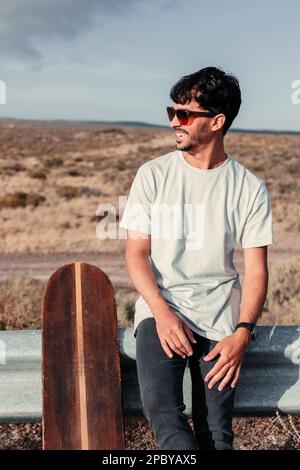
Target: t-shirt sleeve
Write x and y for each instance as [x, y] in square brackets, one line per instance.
[258, 229]
[137, 212]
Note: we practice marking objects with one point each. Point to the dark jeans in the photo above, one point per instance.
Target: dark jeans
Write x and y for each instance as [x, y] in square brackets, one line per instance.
[161, 387]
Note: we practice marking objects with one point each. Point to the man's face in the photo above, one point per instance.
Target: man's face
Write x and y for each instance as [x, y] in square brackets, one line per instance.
[195, 132]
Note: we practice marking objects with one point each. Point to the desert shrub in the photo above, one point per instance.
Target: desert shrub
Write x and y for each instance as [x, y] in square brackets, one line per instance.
[87, 191]
[100, 165]
[13, 168]
[120, 165]
[53, 162]
[74, 172]
[79, 171]
[286, 187]
[21, 199]
[114, 131]
[65, 225]
[68, 191]
[38, 174]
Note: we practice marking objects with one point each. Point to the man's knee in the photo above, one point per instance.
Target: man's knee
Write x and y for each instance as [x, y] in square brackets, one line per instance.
[155, 404]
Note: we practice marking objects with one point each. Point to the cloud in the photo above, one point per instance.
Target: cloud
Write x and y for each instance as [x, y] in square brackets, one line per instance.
[25, 23]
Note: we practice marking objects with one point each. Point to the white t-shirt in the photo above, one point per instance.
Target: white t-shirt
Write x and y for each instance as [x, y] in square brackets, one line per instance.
[196, 217]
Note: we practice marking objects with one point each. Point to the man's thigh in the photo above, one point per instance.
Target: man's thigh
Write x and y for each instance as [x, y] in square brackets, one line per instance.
[224, 399]
[160, 377]
[219, 405]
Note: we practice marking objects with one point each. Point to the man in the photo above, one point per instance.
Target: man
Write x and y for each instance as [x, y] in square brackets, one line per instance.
[191, 307]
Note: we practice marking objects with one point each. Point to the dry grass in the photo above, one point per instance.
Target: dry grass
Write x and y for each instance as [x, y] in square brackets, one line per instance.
[62, 172]
[21, 299]
[283, 299]
[20, 303]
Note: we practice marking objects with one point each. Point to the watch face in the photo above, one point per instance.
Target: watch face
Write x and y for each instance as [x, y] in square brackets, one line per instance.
[254, 332]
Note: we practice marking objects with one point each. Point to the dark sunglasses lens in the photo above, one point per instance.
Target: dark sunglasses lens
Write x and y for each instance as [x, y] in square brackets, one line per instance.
[171, 113]
[183, 116]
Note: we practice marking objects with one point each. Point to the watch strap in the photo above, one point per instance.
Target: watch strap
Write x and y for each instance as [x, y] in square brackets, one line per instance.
[248, 326]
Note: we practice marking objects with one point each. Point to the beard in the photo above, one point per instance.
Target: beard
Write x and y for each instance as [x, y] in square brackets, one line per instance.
[185, 148]
[193, 140]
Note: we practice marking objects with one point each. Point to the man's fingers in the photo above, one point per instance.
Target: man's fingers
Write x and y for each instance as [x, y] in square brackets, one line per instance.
[178, 341]
[213, 353]
[166, 348]
[218, 376]
[175, 344]
[172, 343]
[236, 376]
[169, 347]
[227, 378]
[189, 333]
[185, 342]
[178, 344]
[216, 369]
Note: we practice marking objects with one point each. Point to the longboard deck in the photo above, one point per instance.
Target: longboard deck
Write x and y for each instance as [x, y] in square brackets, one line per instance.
[81, 374]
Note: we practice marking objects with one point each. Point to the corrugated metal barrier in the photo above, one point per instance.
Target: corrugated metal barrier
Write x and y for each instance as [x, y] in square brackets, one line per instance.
[269, 379]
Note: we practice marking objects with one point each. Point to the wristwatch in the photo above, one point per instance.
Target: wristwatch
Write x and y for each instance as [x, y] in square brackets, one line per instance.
[249, 326]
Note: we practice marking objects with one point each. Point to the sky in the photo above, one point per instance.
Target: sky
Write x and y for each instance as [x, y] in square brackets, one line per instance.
[117, 60]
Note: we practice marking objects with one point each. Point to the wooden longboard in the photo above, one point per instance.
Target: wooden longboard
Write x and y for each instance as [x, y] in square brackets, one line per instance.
[82, 397]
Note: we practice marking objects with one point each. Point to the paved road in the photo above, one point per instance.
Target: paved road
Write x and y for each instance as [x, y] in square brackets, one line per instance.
[41, 266]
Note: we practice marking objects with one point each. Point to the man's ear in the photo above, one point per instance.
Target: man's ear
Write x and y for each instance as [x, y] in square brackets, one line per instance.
[218, 121]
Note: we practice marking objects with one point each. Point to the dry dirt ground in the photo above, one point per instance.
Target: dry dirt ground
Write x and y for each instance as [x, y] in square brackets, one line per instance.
[251, 433]
[54, 176]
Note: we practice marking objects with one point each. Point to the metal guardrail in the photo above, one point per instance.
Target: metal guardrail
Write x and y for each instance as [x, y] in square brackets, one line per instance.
[269, 379]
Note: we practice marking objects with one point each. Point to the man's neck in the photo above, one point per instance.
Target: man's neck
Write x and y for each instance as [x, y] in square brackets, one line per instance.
[206, 157]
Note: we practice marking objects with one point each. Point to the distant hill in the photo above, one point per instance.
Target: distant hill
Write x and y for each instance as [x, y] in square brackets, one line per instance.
[139, 124]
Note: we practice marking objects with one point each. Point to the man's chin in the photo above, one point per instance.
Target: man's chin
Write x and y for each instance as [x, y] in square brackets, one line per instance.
[183, 148]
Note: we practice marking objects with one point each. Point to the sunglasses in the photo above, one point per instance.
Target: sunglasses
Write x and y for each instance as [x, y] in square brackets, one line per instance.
[184, 114]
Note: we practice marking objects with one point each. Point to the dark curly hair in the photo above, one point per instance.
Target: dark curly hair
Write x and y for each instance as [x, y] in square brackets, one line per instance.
[213, 89]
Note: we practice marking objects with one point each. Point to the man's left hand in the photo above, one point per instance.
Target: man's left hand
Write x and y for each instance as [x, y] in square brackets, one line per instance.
[227, 368]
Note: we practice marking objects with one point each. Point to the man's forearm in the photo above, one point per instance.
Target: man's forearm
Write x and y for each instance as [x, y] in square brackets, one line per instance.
[141, 274]
[254, 291]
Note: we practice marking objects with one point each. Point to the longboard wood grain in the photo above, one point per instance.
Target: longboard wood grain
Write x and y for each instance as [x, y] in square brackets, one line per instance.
[82, 396]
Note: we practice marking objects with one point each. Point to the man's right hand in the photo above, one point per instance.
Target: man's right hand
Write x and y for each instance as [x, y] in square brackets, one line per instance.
[174, 334]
